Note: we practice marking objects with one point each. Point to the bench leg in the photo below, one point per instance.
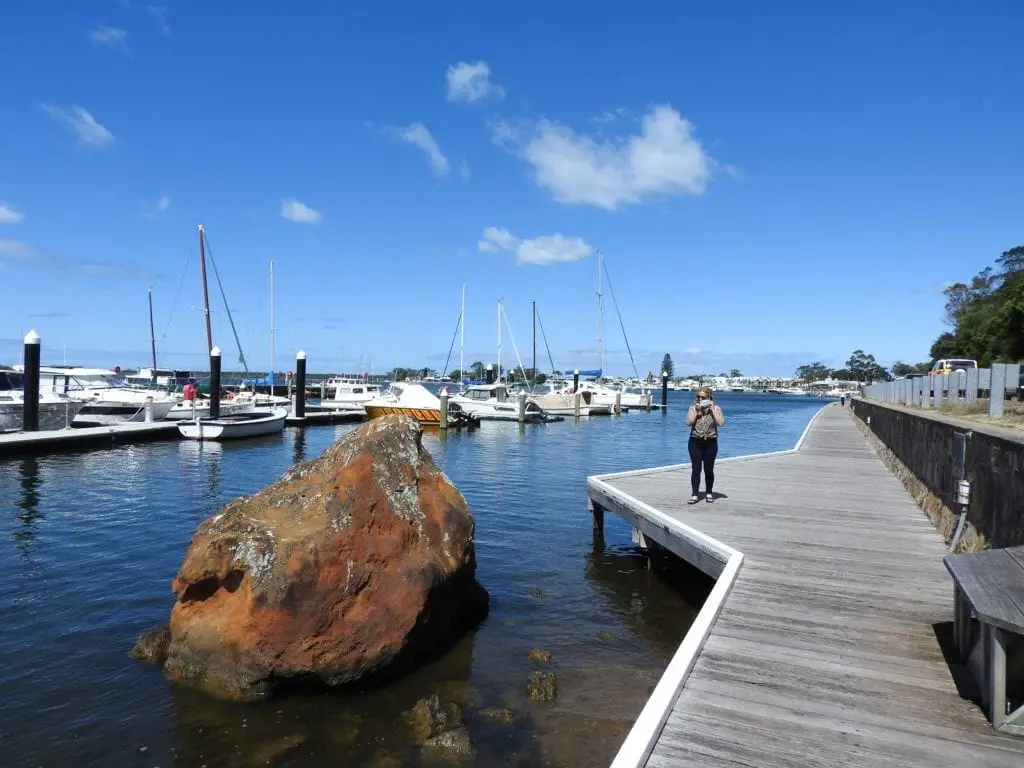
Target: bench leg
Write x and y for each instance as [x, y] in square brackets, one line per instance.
[961, 624]
[995, 683]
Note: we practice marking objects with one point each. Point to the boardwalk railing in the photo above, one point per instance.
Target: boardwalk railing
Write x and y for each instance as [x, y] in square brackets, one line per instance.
[961, 387]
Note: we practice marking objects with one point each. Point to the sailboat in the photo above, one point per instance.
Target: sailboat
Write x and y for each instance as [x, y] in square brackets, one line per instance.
[492, 401]
[236, 420]
[602, 394]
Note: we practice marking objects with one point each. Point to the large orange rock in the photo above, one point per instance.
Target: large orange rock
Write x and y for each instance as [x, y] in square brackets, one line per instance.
[352, 566]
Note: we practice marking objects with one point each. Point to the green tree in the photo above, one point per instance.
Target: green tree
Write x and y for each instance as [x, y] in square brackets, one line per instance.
[667, 365]
[478, 370]
[735, 373]
[864, 367]
[905, 369]
[455, 375]
[986, 314]
[813, 372]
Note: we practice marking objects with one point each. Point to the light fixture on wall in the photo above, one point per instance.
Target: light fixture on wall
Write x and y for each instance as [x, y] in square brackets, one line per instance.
[963, 493]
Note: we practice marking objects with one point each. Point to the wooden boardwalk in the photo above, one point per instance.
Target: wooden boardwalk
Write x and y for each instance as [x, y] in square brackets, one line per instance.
[828, 650]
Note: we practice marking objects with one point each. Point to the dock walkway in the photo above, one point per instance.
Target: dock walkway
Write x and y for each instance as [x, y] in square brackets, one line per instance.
[819, 643]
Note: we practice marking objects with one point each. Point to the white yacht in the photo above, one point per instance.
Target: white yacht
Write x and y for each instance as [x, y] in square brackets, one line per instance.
[56, 411]
[558, 402]
[605, 395]
[491, 402]
[348, 394]
[105, 396]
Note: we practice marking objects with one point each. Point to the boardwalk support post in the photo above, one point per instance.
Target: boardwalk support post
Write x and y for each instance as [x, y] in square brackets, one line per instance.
[522, 407]
[618, 402]
[598, 513]
[444, 410]
[30, 399]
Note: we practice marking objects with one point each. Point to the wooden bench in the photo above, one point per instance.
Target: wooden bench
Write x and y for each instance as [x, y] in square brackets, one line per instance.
[990, 585]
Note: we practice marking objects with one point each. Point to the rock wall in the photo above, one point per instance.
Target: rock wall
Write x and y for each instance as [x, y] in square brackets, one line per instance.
[919, 448]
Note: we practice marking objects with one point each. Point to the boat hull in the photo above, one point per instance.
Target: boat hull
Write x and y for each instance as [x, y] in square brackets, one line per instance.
[104, 414]
[51, 415]
[425, 416]
[234, 427]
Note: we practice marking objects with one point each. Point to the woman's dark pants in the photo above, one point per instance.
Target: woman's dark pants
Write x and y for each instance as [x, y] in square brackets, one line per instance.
[702, 454]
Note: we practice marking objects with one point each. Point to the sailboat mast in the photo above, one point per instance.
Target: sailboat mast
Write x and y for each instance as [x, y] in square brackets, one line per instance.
[600, 310]
[462, 337]
[273, 355]
[206, 292]
[498, 376]
[152, 333]
[535, 341]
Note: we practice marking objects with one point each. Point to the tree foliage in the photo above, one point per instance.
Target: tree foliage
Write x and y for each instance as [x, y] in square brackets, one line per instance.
[860, 367]
[986, 314]
[667, 366]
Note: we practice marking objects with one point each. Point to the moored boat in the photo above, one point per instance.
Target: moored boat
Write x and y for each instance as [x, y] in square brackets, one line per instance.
[235, 426]
[406, 399]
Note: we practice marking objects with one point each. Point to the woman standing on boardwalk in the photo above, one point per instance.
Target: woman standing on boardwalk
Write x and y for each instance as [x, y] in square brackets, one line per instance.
[704, 419]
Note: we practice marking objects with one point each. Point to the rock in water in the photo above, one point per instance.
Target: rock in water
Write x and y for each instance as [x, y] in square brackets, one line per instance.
[152, 645]
[354, 565]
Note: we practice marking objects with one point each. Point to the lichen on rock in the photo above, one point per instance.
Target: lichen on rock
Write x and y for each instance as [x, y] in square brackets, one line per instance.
[352, 566]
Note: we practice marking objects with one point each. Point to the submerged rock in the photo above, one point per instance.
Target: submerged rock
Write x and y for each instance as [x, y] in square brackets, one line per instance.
[499, 714]
[542, 686]
[457, 742]
[602, 635]
[430, 717]
[354, 565]
[152, 645]
[537, 594]
[277, 750]
[540, 656]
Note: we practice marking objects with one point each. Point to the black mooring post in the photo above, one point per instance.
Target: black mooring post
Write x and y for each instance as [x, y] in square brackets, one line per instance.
[30, 407]
[664, 390]
[300, 385]
[215, 383]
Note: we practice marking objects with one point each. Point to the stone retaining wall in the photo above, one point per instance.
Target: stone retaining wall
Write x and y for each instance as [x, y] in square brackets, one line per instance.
[918, 448]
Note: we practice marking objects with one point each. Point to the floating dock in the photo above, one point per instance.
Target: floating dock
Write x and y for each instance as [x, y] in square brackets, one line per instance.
[13, 444]
[825, 639]
[16, 444]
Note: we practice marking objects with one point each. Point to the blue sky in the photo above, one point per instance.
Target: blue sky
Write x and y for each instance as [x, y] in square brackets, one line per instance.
[771, 183]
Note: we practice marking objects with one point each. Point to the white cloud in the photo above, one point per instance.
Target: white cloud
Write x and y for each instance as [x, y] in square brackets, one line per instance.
[464, 170]
[471, 82]
[293, 210]
[82, 124]
[664, 159]
[110, 37]
[543, 250]
[159, 13]
[9, 214]
[418, 135]
[163, 203]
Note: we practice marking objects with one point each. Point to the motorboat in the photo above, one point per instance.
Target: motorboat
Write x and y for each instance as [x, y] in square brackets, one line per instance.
[406, 399]
[605, 395]
[563, 403]
[347, 394]
[56, 410]
[106, 397]
[415, 400]
[491, 402]
[235, 426]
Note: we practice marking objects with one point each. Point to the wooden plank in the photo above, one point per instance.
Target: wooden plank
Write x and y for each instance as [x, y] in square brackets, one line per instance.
[825, 652]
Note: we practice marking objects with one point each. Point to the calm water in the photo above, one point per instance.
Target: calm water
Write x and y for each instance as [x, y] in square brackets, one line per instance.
[91, 542]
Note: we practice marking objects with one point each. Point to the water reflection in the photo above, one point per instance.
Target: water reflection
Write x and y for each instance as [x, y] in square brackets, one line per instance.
[28, 503]
[298, 445]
